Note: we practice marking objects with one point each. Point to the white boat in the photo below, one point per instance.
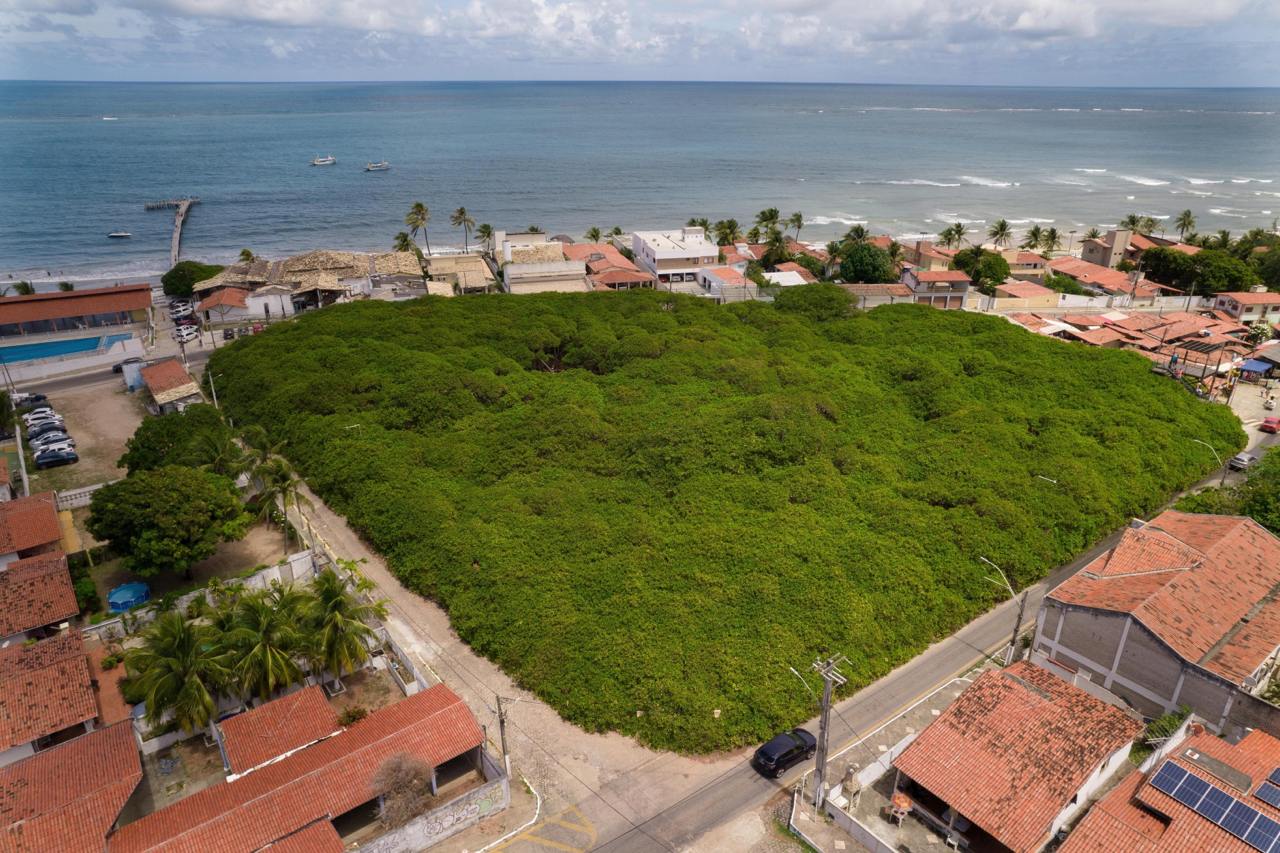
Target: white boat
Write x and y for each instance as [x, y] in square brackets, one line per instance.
[377, 167]
[110, 118]
[324, 161]
[119, 235]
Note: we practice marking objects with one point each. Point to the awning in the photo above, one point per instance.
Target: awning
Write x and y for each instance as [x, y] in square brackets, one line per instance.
[1256, 365]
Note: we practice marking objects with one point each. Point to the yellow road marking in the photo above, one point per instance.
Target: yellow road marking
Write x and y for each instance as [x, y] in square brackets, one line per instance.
[579, 824]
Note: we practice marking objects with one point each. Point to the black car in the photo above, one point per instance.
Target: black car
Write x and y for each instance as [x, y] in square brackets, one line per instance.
[118, 367]
[46, 427]
[784, 752]
[54, 458]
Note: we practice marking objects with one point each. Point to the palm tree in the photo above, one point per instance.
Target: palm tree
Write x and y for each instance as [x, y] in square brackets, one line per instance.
[462, 219]
[403, 243]
[753, 235]
[247, 256]
[592, 235]
[1033, 238]
[180, 668]
[339, 623]
[1000, 233]
[796, 221]
[856, 234]
[1185, 222]
[834, 250]
[768, 218]
[896, 254]
[24, 288]
[1223, 239]
[615, 231]
[66, 286]
[279, 483]
[267, 640]
[417, 218]
[727, 232]
[1092, 234]
[1138, 224]
[1051, 240]
[260, 443]
[533, 229]
[952, 236]
[484, 233]
[226, 456]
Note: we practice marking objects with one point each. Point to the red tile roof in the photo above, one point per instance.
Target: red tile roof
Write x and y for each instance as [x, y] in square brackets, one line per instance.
[1033, 322]
[27, 523]
[318, 837]
[227, 297]
[1013, 749]
[1136, 818]
[36, 592]
[792, 266]
[1190, 579]
[1094, 275]
[896, 289]
[74, 303]
[4, 471]
[1029, 259]
[941, 275]
[606, 265]
[1024, 290]
[67, 797]
[1096, 337]
[44, 688]
[795, 247]
[277, 727]
[165, 376]
[728, 277]
[1250, 298]
[326, 779]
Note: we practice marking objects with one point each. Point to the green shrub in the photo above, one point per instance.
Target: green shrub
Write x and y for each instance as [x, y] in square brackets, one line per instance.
[352, 715]
[645, 507]
[185, 275]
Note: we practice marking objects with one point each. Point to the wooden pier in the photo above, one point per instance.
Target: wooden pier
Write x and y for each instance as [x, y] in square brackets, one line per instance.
[183, 205]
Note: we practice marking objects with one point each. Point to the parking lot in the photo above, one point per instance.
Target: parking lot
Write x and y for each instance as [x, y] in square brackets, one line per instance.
[101, 418]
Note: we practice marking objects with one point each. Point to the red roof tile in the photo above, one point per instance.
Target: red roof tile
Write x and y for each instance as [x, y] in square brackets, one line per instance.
[1024, 290]
[36, 592]
[941, 275]
[166, 375]
[326, 779]
[74, 303]
[1250, 298]
[44, 688]
[68, 797]
[1190, 579]
[728, 277]
[277, 727]
[891, 289]
[1013, 749]
[27, 523]
[1029, 259]
[1097, 337]
[318, 837]
[606, 265]
[792, 266]
[795, 247]
[227, 297]
[4, 471]
[1093, 275]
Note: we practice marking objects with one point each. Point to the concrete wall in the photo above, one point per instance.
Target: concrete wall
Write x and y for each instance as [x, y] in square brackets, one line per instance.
[16, 753]
[22, 371]
[1091, 788]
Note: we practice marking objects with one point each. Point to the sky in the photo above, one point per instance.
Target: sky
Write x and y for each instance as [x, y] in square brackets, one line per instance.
[961, 42]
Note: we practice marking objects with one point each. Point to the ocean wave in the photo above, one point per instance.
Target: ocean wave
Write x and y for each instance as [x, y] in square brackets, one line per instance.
[1202, 181]
[837, 219]
[1266, 192]
[1066, 109]
[986, 182]
[955, 217]
[1131, 109]
[1031, 220]
[1018, 110]
[920, 182]
[1090, 171]
[1251, 180]
[1226, 211]
[1067, 182]
[1146, 182]
[1201, 193]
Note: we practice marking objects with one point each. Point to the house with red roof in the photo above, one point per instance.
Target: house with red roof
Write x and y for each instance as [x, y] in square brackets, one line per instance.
[1124, 245]
[925, 255]
[292, 786]
[1183, 610]
[1029, 295]
[607, 268]
[1251, 306]
[867, 296]
[69, 797]
[36, 594]
[1198, 793]
[171, 387]
[1015, 758]
[46, 695]
[28, 527]
[726, 284]
[941, 288]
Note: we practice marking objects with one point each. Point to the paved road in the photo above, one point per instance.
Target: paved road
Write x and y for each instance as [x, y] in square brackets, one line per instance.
[196, 358]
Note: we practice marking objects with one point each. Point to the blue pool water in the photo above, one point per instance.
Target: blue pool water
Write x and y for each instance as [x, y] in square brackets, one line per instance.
[49, 349]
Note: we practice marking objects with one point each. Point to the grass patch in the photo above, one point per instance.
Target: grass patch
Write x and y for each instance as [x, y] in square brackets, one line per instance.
[646, 507]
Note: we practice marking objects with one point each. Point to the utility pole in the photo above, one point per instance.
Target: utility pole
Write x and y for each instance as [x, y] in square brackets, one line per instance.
[831, 678]
[212, 389]
[502, 735]
[1012, 595]
[1013, 643]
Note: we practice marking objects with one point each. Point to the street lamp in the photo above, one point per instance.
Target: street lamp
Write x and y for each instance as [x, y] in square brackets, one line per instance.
[1013, 643]
[1223, 481]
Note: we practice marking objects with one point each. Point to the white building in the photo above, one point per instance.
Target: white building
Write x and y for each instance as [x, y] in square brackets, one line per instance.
[547, 277]
[674, 255]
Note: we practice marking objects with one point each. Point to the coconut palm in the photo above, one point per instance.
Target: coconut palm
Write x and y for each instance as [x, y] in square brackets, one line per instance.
[484, 232]
[226, 456]
[1000, 233]
[1092, 234]
[338, 620]
[66, 286]
[753, 234]
[180, 667]
[592, 235]
[1185, 222]
[417, 218]
[856, 234]
[796, 222]
[615, 231]
[267, 640]
[1034, 237]
[1223, 239]
[1138, 224]
[895, 254]
[768, 219]
[247, 256]
[24, 288]
[462, 219]
[952, 236]
[834, 251]
[403, 243]
[727, 232]
[279, 485]
[533, 229]
[259, 442]
[1051, 240]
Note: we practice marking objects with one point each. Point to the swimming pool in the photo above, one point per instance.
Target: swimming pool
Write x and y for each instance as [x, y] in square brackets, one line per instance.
[50, 349]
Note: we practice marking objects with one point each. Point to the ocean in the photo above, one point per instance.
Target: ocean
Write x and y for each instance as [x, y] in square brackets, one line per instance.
[905, 160]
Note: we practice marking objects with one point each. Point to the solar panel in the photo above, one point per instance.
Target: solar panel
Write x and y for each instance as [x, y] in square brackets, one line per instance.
[1168, 778]
[1191, 790]
[1239, 818]
[1269, 794]
[1264, 833]
[1274, 778]
[1215, 804]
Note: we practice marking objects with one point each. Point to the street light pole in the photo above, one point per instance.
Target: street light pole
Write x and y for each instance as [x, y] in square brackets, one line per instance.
[1223, 481]
[214, 391]
[1017, 622]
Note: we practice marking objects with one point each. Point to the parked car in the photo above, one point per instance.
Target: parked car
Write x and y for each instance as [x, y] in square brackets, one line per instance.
[44, 429]
[185, 334]
[1269, 425]
[44, 422]
[39, 414]
[176, 311]
[22, 398]
[118, 367]
[51, 438]
[53, 459]
[1241, 461]
[784, 752]
[57, 447]
[187, 321]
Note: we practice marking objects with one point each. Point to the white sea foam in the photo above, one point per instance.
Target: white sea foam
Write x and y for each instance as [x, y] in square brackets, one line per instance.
[838, 219]
[1226, 211]
[1030, 220]
[1130, 197]
[1266, 213]
[1066, 109]
[1201, 193]
[921, 182]
[1146, 182]
[985, 182]
[1266, 192]
[1131, 109]
[1202, 181]
[1251, 180]
[1067, 182]
[1090, 171]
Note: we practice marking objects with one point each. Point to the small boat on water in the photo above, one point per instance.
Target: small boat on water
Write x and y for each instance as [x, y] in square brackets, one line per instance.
[110, 118]
[324, 161]
[377, 167]
[119, 235]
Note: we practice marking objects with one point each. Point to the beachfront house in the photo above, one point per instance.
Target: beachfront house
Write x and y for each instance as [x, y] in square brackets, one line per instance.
[171, 387]
[458, 274]
[1124, 245]
[674, 256]
[607, 268]
[944, 288]
[1251, 306]
[725, 284]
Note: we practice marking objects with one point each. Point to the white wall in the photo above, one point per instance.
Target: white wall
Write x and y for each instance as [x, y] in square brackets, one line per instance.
[1090, 788]
[28, 370]
[17, 753]
[270, 305]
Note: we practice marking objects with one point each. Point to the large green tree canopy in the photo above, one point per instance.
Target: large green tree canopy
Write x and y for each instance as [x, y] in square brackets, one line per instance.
[189, 437]
[646, 506]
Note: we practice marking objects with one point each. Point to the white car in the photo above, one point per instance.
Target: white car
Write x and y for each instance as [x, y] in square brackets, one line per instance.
[49, 438]
[39, 414]
[44, 421]
[179, 311]
[59, 447]
[186, 334]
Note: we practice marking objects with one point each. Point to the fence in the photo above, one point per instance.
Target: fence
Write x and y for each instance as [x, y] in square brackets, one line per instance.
[72, 498]
[402, 669]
